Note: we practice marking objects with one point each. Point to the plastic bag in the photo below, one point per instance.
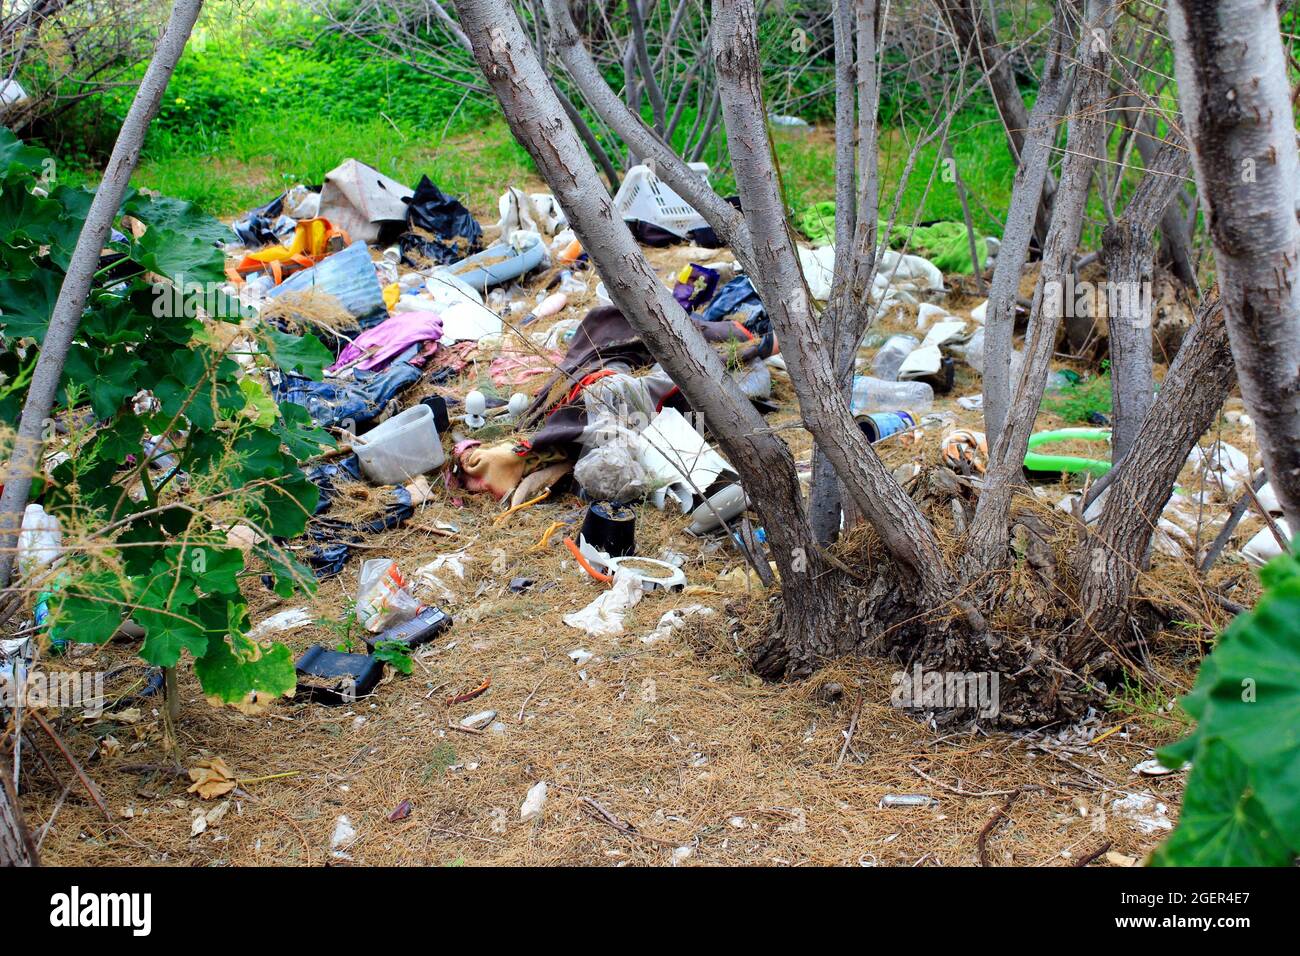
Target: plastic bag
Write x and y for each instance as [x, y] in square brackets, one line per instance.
[439, 229]
[382, 598]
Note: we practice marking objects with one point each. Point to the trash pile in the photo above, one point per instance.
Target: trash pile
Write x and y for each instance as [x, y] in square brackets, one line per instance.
[476, 359]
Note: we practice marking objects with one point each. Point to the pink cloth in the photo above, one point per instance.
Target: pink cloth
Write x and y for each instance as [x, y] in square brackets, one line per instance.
[389, 339]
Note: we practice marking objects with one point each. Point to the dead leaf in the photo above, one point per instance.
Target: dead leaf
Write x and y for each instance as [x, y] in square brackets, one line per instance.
[212, 779]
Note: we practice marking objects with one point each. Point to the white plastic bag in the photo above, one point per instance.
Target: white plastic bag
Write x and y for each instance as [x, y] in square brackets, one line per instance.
[382, 598]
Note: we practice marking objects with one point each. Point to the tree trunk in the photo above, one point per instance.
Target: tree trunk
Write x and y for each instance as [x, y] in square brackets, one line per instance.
[987, 541]
[999, 318]
[813, 622]
[824, 499]
[976, 34]
[1186, 405]
[906, 534]
[722, 216]
[16, 845]
[1232, 84]
[1128, 252]
[25, 460]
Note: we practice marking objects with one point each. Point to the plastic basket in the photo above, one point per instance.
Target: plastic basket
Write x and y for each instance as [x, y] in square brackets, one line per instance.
[643, 196]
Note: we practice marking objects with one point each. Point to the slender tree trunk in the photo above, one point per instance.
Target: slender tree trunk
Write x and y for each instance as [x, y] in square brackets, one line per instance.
[976, 35]
[1087, 139]
[25, 461]
[1236, 100]
[672, 169]
[1175, 236]
[905, 532]
[840, 320]
[657, 105]
[1187, 405]
[1128, 252]
[815, 622]
[1000, 316]
[16, 845]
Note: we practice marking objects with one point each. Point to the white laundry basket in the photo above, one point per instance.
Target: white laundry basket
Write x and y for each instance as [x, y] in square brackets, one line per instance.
[642, 196]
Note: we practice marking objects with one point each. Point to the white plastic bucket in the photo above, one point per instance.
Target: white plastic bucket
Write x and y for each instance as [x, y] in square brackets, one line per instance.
[404, 446]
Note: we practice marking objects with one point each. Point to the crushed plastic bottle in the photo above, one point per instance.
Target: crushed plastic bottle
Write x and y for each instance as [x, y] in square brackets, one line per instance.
[891, 355]
[872, 394]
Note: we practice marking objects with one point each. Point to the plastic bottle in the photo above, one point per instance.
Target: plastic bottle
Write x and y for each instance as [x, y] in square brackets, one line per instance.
[890, 357]
[873, 395]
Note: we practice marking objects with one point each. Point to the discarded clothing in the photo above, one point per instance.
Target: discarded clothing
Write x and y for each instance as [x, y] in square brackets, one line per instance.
[358, 401]
[376, 347]
[737, 301]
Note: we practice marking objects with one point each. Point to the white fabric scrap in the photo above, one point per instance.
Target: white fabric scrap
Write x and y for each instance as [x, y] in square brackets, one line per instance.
[603, 617]
[675, 620]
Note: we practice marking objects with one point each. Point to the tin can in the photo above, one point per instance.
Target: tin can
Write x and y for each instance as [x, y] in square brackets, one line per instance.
[878, 425]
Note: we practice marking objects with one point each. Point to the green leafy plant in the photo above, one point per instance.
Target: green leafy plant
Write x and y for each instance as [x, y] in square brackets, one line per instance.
[1078, 403]
[164, 447]
[1242, 802]
[395, 653]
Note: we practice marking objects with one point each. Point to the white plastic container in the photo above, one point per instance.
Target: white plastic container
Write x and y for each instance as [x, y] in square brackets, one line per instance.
[643, 196]
[404, 446]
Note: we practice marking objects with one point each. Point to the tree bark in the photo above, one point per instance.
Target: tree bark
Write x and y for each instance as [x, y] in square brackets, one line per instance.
[1232, 84]
[1186, 405]
[25, 460]
[1027, 190]
[987, 541]
[906, 534]
[975, 32]
[1128, 252]
[16, 845]
[824, 499]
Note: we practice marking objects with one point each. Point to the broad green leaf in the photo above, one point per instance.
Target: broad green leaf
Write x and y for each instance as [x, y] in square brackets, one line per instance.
[24, 216]
[90, 608]
[178, 257]
[1246, 700]
[108, 377]
[169, 616]
[300, 354]
[16, 157]
[1222, 822]
[259, 406]
[235, 668]
[283, 509]
[62, 236]
[176, 216]
[123, 437]
[289, 573]
[302, 436]
[27, 304]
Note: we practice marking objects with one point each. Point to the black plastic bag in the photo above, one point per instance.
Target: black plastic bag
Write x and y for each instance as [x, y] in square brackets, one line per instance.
[439, 230]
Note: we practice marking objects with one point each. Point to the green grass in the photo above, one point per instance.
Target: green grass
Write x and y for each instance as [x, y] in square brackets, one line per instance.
[264, 99]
